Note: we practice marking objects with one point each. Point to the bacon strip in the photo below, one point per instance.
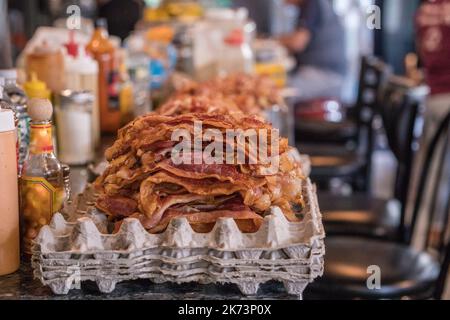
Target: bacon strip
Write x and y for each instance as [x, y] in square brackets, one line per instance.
[209, 217]
[117, 206]
[142, 181]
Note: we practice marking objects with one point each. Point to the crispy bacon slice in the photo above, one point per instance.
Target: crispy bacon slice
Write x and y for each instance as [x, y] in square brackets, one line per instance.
[251, 94]
[250, 219]
[118, 206]
[143, 181]
[187, 103]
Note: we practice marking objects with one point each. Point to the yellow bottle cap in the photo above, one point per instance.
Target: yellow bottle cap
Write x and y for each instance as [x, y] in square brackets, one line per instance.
[35, 88]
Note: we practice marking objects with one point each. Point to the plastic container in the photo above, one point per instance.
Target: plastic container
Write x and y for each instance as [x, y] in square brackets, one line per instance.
[9, 199]
[236, 55]
[16, 100]
[34, 88]
[48, 63]
[82, 75]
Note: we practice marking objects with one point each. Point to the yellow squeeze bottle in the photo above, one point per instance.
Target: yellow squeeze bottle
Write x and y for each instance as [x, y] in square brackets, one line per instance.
[35, 88]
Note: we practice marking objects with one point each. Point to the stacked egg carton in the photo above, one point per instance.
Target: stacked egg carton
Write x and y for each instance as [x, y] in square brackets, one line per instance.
[76, 249]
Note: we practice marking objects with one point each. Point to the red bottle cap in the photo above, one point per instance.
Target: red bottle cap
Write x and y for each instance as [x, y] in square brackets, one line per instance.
[235, 37]
[72, 46]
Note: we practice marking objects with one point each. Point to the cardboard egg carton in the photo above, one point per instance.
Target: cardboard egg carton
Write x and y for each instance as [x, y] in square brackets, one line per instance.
[77, 247]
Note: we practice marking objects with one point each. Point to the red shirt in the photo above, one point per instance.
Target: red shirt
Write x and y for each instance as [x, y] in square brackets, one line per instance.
[433, 31]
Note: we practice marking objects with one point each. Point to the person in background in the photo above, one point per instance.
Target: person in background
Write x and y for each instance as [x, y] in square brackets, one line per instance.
[260, 11]
[318, 45]
[121, 15]
[433, 44]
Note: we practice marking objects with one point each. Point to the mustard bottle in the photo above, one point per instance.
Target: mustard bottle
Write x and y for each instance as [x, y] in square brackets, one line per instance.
[34, 88]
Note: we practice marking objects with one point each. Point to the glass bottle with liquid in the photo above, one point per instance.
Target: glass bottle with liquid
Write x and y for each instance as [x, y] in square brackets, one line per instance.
[103, 51]
[42, 188]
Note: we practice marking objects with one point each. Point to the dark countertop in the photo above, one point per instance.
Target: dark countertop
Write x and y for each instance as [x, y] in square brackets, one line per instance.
[21, 285]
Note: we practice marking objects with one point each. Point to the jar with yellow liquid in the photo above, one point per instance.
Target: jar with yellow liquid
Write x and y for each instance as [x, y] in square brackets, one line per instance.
[42, 191]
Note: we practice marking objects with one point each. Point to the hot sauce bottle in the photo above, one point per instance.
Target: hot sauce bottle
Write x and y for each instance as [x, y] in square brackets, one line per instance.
[42, 191]
[103, 51]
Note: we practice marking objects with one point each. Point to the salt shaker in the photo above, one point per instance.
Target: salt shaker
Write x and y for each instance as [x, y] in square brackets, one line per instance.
[76, 141]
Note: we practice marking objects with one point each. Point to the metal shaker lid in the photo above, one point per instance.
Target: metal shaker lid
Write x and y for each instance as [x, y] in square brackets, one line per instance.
[79, 97]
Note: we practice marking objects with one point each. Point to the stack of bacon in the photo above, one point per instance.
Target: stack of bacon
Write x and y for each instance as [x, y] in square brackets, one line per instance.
[186, 103]
[142, 180]
[252, 94]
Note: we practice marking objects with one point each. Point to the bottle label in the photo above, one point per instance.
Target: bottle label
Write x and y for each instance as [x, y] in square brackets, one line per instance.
[41, 139]
[39, 197]
[23, 134]
[113, 91]
[39, 200]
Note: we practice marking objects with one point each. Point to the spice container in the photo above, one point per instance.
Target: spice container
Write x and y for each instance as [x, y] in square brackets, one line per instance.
[9, 200]
[42, 190]
[73, 115]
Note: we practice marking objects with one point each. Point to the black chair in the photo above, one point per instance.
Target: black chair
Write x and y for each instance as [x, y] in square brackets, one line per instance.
[324, 120]
[349, 161]
[405, 272]
[360, 213]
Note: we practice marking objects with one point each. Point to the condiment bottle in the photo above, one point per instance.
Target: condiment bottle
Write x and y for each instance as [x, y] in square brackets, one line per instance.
[16, 98]
[236, 54]
[101, 48]
[42, 183]
[34, 88]
[71, 46]
[6, 105]
[9, 200]
[47, 62]
[82, 75]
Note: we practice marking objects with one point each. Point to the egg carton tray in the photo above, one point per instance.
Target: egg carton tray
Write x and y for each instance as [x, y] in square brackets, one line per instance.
[77, 247]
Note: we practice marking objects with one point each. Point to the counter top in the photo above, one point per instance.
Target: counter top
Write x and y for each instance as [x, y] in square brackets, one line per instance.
[21, 285]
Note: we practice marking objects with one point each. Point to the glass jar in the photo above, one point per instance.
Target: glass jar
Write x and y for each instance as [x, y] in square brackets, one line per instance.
[76, 140]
